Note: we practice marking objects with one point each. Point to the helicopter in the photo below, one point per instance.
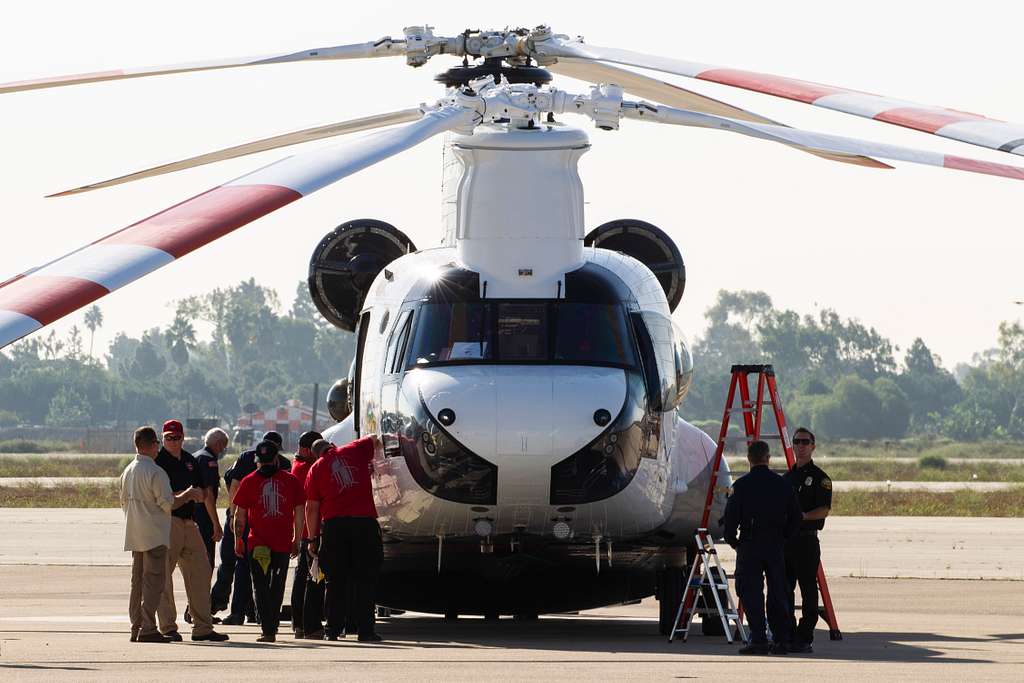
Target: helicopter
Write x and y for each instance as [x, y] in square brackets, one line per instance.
[525, 374]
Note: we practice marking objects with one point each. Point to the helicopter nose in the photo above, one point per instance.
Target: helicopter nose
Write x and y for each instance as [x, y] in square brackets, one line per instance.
[515, 411]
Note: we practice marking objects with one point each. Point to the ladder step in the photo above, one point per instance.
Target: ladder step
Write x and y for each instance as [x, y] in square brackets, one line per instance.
[751, 438]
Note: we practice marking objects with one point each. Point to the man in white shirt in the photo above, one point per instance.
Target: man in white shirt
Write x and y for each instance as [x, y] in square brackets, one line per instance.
[147, 500]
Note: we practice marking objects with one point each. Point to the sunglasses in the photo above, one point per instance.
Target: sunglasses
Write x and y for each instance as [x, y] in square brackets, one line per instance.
[802, 442]
[173, 438]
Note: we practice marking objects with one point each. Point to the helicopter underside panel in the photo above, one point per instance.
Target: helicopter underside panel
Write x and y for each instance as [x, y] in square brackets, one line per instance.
[524, 576]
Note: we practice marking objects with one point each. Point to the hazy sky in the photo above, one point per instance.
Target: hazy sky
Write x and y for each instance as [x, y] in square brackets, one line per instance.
[916, 251]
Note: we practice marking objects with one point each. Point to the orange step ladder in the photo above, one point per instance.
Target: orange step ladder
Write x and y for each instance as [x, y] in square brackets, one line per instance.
[752, 412]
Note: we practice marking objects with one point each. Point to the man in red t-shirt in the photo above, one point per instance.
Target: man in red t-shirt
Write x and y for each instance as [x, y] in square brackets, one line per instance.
[271, 502]
[338, 491]
[307, 594]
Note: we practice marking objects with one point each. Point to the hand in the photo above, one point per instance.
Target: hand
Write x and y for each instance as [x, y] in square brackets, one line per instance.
[196, 494]
[295, 548]
[312, 548]
[218, 534]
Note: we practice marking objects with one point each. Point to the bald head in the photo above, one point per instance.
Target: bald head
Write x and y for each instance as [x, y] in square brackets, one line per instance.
[319, 446]
[216, 440]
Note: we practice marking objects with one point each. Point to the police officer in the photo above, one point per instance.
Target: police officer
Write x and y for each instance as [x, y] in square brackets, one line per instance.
[242, 603]
[186, 550]
[764, 510]
[803, 552]
[215, 443]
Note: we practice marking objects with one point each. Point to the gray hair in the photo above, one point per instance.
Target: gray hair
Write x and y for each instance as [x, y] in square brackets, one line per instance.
[214, 435]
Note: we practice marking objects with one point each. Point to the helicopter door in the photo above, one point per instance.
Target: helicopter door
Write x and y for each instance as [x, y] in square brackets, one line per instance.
[394, 364]
[357, 380]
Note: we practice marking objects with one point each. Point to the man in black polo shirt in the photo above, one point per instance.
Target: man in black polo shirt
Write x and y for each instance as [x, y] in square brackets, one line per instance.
[187, 550]
[215, 443]
[803, 552]
[242, 602]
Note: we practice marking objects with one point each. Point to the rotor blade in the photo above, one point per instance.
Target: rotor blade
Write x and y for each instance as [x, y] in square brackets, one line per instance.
[948, 123]
[385, 47]
[660, 91]
[300, 136]
[40, 296]
[822, 141]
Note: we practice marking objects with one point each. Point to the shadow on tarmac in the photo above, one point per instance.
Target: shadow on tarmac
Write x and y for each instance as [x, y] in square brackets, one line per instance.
[624, 635]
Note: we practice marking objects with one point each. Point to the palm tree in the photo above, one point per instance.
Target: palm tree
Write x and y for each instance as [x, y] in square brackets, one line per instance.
[93, 320]
[180, 338]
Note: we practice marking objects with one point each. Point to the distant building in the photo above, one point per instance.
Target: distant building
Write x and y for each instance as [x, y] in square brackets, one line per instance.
[290, 419]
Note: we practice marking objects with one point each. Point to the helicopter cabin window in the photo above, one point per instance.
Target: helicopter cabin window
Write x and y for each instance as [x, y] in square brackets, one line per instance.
[396, 344]
[452, 332]
[522, 332]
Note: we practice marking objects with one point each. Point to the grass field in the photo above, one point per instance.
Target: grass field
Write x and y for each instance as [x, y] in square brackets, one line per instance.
[889, 470]
[62, 465]
[1009, 503]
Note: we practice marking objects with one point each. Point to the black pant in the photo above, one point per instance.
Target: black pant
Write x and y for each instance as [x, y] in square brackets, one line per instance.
[232, 571]
[755, 563]
[307, 595]
[352, 553]
[803, 555]
[269, 587]
[205, 525]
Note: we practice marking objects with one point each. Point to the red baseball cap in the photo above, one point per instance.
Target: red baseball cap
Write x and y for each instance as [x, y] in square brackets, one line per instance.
[173, 427]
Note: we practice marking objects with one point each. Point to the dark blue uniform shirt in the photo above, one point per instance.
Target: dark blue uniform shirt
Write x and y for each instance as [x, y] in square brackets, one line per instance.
[183, 472]
[814, 490]
[246, 465]
[762, 508]
[209, 471]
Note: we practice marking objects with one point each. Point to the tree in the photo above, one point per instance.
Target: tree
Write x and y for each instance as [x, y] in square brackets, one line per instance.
[93, 321]
[69, 409]
[180, 338]
[148, 363]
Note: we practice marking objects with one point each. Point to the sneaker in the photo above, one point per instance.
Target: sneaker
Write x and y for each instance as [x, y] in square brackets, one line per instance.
[173, 636]
[756, 649]
[212, 636]
[233, 620]
[154, 637]
[371, 638]
[266, 639]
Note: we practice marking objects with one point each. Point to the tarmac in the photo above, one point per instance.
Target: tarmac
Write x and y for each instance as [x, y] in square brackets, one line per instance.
[63, 595]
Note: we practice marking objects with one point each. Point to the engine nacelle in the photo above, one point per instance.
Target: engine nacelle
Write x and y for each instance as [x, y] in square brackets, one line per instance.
[345, 263]
[648, 244]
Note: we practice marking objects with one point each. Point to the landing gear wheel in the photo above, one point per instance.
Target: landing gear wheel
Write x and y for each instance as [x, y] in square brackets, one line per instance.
[526, 616]
[491, 616]
[670, 593]
[451, 616]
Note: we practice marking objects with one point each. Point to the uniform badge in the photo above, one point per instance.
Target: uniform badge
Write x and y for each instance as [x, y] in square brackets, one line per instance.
[807, 481]
[212, 463]
[826, 483]
[188, 466]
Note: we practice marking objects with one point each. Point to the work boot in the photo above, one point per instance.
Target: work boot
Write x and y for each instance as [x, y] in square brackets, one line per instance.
[233, 620]
[154, 637]
[756, 649]
[174, 636]
[799, 646]
[212, 636]
[267, 639]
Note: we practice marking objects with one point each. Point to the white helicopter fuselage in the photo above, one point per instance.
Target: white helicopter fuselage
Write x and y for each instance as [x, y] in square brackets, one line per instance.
[525, 388]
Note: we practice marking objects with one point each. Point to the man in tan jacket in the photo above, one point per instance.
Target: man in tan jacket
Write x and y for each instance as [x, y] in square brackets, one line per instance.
[146, 500]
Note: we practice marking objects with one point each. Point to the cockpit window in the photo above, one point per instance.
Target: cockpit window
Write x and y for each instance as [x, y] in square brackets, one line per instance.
[523, 332]
[594, 333]
[452, 332]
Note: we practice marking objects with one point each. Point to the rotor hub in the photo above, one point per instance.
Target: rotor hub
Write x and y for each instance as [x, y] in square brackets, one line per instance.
[461, 76]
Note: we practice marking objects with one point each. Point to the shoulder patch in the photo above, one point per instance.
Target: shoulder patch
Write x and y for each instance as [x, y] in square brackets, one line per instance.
[212, 463]
[826, 483]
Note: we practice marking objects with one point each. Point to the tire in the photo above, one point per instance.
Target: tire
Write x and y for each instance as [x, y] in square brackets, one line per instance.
[670, 592]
